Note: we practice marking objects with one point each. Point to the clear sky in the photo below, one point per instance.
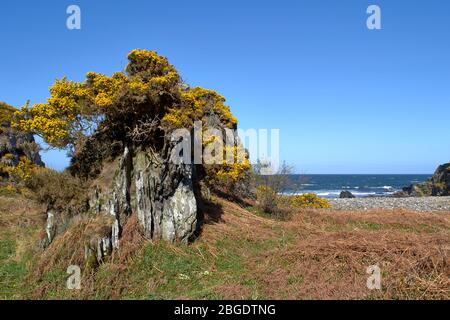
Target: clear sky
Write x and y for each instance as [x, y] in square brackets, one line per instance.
[346, 99]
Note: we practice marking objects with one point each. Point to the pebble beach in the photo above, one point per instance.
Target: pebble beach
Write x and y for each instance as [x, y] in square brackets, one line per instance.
[420, 204]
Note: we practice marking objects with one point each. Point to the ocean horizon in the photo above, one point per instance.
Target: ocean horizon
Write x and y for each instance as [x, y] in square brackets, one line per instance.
[360, 185]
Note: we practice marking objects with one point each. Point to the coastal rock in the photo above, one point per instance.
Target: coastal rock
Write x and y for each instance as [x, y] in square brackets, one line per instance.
[437, 185]
[165, 200]
[346, 195]
[401, 194]
[156, 189]
[15, 144]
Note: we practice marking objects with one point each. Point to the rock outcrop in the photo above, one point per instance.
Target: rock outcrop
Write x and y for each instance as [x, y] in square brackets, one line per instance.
[158, 191]
[437, 185]
[346, 195]
[15, 144]
[165, 201]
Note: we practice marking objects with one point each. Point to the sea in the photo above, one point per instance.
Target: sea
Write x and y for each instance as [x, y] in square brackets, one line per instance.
[361, 185]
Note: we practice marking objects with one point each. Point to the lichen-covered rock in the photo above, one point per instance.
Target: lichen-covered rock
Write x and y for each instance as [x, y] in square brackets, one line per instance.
[156, 189]
[180, 213]
[165, 200]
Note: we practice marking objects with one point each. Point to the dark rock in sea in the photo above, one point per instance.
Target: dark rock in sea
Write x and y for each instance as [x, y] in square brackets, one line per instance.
[437, 185]
[401, 194]
[346, 195]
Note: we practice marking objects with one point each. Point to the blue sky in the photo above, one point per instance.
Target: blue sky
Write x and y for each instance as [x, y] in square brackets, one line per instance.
[346, 99]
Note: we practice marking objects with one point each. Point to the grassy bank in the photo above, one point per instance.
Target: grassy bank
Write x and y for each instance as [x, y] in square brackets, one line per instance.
[239, 255]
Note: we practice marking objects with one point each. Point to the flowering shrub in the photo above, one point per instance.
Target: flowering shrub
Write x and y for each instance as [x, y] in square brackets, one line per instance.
[25, 170]
[17, 175]
[6, 113]
[308, 200]
[140, 106]
[197, 104]
[273, 203]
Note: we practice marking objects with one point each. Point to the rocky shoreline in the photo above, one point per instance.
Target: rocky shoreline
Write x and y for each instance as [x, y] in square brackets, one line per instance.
[420, 204]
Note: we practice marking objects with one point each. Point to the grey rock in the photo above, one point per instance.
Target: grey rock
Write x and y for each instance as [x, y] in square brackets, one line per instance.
[346, 195]
[17, 144]
[98, 246]
[165, 200]
[437, 185]
[50, 229]
[158, 191]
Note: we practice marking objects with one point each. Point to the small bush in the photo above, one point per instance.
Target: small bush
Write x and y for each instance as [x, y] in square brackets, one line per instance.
[8, 191]
[60, 191]
[6, 113]
[24, 170]
[267, 199]
[308, 200]
[281, 206]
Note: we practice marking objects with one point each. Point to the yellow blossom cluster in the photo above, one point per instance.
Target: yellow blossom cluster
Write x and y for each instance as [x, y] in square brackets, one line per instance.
[198, 103]
[235, 167]
[308, 200]
[22, 172]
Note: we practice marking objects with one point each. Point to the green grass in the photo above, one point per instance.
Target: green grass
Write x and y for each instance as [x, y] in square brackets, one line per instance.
[12, 273]
[164, 271]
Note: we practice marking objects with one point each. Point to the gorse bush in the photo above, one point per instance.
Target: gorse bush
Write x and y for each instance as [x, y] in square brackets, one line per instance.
[18, 151]
[58, 190]
[6, 113]
[308, 200]
[18, 174]
[280, 205]
[140, 107]
[25, 170]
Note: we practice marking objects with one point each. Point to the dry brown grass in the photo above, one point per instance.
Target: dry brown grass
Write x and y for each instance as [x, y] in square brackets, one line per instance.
[130, 243]
[332, 266]
[106, 177]
[328, 253]
[236, 221]
[68, 249]
[20, 212]
[318, 254]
